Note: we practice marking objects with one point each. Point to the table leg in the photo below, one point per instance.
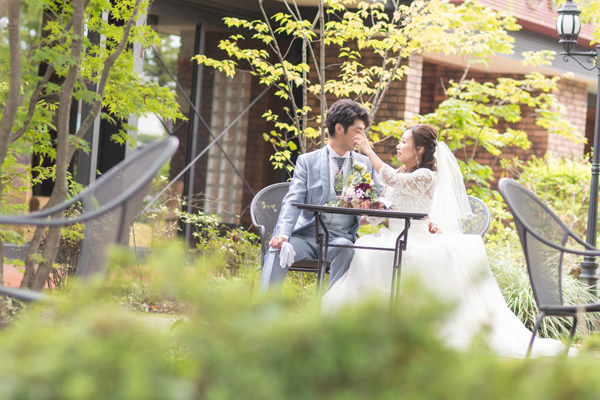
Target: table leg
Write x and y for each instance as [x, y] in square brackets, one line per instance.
[322, 241]
[397, 269]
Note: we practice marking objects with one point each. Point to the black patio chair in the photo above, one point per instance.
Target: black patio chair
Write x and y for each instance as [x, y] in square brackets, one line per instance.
[107, 207]
[480, 223]
[543, 238]
[264, 210]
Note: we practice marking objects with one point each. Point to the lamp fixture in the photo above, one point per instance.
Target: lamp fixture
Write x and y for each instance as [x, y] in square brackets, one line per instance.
[568, 25]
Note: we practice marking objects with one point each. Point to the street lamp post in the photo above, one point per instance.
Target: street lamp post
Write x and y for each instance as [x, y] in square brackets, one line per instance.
[568, 26]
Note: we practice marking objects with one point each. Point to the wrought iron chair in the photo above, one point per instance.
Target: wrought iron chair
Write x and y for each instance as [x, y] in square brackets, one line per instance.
[480, 223]
[543, 238]
[264, 210]
[108, 209]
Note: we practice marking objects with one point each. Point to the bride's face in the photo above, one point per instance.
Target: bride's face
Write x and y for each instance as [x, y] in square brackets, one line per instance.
[406, 150]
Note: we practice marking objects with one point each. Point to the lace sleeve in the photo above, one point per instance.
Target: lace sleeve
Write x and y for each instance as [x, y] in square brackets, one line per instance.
[417, 183]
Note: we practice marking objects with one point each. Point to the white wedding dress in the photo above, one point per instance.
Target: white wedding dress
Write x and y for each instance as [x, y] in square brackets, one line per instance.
[450, 265]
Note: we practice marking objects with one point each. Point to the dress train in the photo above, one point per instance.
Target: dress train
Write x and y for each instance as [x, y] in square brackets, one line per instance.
[453, 267]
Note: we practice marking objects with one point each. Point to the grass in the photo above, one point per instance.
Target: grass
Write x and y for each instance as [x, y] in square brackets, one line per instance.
[510, 271]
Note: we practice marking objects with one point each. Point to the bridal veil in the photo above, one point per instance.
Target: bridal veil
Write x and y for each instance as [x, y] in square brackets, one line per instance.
[450, 200]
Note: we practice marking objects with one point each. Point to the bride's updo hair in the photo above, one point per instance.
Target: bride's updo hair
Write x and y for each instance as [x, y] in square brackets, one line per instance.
[425, 136]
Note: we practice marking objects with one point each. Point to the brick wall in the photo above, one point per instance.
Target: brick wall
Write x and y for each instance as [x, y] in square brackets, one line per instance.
[573, 97]
[402, 102]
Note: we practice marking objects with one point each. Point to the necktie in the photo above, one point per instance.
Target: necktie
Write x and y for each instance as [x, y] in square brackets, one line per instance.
[339, 176]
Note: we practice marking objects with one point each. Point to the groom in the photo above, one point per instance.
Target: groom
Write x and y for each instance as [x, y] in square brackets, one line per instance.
[317, 176]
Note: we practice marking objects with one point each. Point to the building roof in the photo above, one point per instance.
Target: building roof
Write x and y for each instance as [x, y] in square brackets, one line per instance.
[535, 15]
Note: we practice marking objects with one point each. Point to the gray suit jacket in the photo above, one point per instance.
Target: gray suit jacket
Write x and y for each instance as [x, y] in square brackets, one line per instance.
[311, 185]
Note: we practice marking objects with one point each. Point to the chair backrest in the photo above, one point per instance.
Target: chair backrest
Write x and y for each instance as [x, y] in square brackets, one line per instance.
[480, 223]
[265, 209]
[111, 203]
[543, 261]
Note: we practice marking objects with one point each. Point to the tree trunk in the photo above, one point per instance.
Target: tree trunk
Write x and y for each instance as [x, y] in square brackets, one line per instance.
[322, 68]
[32, 257]
[59, 193]
[36, 279]
[14, 95]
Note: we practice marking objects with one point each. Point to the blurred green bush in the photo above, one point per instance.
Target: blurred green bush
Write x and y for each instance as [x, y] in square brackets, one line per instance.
[231, 347]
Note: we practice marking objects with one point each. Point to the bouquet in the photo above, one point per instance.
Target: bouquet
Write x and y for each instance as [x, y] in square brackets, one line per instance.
[359, 191]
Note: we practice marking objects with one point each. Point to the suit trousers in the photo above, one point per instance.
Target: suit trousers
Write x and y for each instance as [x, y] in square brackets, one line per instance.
[305, 246]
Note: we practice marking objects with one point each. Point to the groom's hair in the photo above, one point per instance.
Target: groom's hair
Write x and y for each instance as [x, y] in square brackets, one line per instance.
[345, 112]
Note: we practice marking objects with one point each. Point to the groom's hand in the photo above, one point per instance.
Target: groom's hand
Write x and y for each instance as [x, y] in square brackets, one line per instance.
[277, 241]
[433, 228]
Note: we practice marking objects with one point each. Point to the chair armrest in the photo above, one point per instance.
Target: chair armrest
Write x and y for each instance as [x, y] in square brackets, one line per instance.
[592, 253]
[24, 295]
[582, 242]
[39, 217]
[263, 245]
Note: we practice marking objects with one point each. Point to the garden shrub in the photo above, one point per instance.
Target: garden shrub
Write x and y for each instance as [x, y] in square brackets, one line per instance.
[232, 347]
[69, 248]
[562, 183]
[510, 271]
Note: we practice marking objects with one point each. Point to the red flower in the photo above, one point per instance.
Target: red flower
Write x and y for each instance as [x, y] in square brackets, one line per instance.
[363, 186]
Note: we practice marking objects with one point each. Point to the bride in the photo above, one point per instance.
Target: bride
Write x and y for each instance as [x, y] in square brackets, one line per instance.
[451, 265]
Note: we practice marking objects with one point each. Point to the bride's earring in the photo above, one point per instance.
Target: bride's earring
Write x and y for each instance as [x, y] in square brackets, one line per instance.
[417, 158]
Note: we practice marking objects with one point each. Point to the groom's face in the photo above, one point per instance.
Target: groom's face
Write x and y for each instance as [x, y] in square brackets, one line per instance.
[347, 138]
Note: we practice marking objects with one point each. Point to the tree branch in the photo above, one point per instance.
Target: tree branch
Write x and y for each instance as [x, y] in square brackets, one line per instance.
[40, 87]
[97, 106]
[322, 69]
[377, 101]
[305, 44]
[281, 60]
[14, 91]
[33, 104]
[59, 192]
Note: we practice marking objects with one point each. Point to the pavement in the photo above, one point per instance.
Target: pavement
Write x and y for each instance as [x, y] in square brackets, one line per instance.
[12, 276]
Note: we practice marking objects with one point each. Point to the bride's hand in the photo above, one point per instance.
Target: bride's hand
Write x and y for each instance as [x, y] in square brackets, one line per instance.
[433, 228]
[361, 141]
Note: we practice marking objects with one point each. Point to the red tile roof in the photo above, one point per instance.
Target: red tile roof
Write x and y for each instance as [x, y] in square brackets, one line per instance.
[535, 15]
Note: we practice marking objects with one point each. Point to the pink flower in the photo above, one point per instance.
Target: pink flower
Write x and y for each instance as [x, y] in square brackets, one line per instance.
[365, 205]
[377, 205]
